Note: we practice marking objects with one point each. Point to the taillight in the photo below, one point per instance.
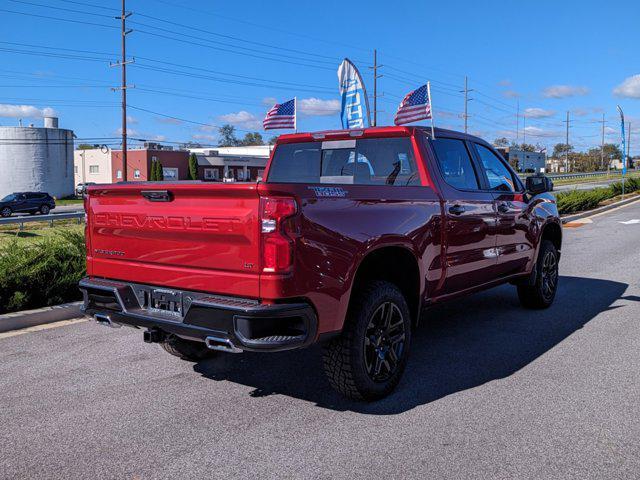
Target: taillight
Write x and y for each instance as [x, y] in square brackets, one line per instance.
[277, 246]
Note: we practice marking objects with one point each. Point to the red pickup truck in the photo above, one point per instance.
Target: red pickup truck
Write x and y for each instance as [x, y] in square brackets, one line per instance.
[349, 238]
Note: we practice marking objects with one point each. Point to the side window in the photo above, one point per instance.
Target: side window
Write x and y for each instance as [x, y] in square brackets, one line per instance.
[455, 163]
[386, 161]
[499, 176]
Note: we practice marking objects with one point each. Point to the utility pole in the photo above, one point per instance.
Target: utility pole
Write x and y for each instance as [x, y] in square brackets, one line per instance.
[123, 87]
[375, 86]
[466, 101]
[566, 152]
[517, 120]
[629, 163]
[602, 144]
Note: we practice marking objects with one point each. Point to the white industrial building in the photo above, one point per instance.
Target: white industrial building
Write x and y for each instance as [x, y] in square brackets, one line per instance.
[36, 159]
[240, 164]
[523, 160]
[92, 165]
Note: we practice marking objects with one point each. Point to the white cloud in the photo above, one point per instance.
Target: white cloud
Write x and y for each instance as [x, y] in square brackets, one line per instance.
[130, 132]
[270, 101]
[539, 132]
[629, 88]
[132, 120]
[505, 83]
[243, 119]
[169, 121]
[563, 91]
[511, 94]
[201, 136]
[24, 111]
[538, 113]
[580, 112]
[318, 107]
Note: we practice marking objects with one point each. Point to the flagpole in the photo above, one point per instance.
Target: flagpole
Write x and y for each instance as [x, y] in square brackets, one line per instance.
[433, 132]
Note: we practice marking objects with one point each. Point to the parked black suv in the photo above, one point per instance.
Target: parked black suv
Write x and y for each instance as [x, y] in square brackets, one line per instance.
[27, 202]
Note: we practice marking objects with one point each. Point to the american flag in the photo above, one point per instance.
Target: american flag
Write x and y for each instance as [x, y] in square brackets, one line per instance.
[281, 115]
[415, 106]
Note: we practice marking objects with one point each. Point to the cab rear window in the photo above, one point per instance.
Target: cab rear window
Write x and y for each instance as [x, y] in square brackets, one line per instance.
[369, 161]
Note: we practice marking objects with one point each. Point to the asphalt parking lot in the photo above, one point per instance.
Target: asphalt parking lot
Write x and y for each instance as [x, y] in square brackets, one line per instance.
[491, 391]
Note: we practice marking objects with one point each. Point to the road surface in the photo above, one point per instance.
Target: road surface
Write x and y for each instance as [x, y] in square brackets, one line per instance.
[491, 391]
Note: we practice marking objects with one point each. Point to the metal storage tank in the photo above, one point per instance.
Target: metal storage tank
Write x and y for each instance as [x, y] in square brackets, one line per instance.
[34, 159]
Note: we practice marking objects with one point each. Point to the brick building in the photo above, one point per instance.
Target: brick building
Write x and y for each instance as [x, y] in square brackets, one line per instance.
[175, 163]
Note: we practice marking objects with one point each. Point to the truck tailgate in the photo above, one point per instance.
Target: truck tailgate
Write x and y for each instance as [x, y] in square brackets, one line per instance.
[189, 236]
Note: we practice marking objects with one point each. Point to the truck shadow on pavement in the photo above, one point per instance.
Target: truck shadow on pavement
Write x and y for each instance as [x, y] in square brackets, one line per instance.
[459, 345]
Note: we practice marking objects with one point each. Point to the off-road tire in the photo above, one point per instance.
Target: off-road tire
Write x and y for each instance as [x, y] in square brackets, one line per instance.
[344, 357]
[542, 293]
[186, 349]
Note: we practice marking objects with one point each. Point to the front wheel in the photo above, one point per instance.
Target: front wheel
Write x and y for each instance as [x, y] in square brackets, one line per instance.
[542, 293]
[5, 212]
[44, 210]
[367, 361]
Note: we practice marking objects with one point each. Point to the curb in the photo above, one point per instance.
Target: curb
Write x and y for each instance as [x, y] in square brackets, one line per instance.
[595, 211]
[40, 316]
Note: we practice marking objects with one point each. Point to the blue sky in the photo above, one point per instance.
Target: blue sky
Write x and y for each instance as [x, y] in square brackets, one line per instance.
[207, 63]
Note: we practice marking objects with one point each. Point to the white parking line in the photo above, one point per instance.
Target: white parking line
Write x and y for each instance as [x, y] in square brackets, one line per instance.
[38, 328]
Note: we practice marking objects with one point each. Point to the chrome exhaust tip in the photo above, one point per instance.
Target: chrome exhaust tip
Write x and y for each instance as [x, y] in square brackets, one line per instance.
[106, 320]
[221, 344]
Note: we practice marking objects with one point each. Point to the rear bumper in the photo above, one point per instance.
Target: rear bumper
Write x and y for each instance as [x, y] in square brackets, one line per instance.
[247, 324]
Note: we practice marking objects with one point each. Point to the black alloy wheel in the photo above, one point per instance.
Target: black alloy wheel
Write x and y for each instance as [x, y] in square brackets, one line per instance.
[549, 273]
[384, 342]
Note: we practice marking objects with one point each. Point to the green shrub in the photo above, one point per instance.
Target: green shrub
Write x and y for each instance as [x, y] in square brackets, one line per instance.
[41, 273]
[581, 200]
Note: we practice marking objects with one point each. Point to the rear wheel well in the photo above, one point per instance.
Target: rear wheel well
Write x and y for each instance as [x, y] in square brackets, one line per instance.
[396, 265]
[553, 233]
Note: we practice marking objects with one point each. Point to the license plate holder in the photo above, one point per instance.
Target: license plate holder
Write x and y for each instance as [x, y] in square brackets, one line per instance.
[167, 302]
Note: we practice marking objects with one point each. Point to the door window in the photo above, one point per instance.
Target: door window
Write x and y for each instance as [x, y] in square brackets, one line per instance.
[498, 175]
[455, 163]
[386, 161]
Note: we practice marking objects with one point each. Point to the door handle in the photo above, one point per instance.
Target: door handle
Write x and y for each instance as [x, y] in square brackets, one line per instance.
[503, 208]
[456, 209]
[157, 195]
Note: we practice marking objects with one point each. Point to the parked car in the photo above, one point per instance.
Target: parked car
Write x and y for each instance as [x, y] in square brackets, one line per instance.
[350, 238]
[27, 202]
[81, 188]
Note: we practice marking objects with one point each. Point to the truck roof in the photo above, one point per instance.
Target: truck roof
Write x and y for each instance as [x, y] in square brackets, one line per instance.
[372, 132]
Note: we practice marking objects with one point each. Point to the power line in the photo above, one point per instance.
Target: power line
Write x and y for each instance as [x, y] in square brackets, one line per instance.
[183, 119]
[61, 9]
[49, 17]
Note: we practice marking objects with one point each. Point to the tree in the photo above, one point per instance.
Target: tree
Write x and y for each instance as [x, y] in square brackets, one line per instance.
[252, 139]
[501, 142]
[560, 149]
[159, 171]
[527, 147]
[86, 146]
[193, 166]
[152, 171]
[273, 140]
[227, 136]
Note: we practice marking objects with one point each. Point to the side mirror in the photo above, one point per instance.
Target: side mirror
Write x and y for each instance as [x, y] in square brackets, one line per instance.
[537, 184]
